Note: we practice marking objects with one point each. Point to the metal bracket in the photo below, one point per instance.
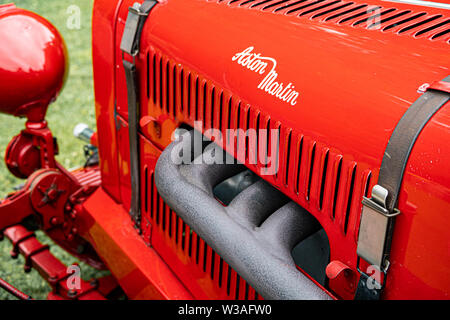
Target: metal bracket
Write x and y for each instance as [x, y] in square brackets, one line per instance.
[374, 241]
[368, 288]
[374, 229]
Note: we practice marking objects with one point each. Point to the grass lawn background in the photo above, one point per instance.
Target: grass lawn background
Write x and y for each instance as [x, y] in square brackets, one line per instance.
[74, 105]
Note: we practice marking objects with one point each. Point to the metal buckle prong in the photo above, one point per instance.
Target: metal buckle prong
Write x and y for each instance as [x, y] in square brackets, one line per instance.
[373, 204]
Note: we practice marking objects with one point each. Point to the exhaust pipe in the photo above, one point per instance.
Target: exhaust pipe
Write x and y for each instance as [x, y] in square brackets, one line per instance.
[254, 234]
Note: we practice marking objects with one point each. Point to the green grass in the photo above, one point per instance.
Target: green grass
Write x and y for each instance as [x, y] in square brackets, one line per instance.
[74, 105]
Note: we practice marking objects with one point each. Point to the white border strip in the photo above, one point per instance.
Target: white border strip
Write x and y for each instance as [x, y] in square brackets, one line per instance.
[423, 3]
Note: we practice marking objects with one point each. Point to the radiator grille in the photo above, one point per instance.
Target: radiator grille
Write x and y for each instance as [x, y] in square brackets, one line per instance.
[413, 23]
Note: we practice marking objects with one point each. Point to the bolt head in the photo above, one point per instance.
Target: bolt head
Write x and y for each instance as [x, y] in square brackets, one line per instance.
[72, 293]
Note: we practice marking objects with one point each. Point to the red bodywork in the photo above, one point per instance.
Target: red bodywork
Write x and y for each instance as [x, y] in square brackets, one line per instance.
[355, 81]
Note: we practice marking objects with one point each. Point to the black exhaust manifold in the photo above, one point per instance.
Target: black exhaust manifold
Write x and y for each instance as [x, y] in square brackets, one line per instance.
[254, 234]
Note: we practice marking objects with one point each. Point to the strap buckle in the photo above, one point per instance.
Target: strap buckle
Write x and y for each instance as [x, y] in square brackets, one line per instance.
[374, 240]
[137, 15]
[136, 9]
[374, 231]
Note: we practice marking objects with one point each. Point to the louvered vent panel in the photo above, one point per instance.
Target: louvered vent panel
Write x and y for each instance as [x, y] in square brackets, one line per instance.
[199, 261]
[314, 175]
[417, 24]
